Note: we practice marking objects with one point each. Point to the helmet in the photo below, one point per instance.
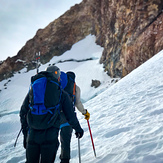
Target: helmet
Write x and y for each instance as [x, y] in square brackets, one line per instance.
[71, 74]
[54, 70]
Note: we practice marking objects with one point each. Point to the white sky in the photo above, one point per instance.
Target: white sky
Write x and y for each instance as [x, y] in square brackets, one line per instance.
[126, 117]
[20, 19]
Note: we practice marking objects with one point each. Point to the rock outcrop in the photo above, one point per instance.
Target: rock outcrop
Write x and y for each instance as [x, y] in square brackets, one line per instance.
[95, 83]
[130, 31]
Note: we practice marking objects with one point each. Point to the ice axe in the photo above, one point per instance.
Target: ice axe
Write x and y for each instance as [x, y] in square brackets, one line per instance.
[91, 138]
[17, 137]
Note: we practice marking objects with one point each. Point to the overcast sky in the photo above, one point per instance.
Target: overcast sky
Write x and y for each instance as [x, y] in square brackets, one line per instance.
[20, 19]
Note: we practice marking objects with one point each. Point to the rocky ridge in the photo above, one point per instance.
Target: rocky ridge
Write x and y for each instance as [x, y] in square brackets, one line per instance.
[130, 31]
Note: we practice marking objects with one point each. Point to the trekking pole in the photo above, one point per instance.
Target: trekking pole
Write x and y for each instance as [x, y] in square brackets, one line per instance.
[17, 137]
[79, 150]
[37, 61]
[91, 138]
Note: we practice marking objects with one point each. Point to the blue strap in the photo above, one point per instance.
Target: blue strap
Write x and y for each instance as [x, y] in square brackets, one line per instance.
[72, 79]
[64, 125]
[55, 82]
[49, 110]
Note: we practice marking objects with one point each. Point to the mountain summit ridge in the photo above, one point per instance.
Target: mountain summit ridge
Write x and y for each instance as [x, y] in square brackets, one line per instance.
[130, 32]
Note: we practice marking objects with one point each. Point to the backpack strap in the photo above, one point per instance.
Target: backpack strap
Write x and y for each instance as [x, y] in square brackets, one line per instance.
[58, 105]
[74, 93]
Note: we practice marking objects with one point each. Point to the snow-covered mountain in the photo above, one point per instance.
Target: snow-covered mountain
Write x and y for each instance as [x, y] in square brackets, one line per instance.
[126, 117]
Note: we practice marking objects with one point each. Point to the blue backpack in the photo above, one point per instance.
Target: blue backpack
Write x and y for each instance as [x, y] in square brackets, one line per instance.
[63, 80]
[44, 101]
[68, 84]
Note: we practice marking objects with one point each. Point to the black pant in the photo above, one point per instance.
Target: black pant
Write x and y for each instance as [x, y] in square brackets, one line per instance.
[42, 146]
[65, 139]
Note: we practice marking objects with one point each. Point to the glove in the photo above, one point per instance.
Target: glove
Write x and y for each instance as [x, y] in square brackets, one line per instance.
[25, 142]
[25, 131]
[79, 134]
[87, 115]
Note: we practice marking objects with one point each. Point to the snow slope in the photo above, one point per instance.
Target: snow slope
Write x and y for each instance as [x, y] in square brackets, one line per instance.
[126, 117]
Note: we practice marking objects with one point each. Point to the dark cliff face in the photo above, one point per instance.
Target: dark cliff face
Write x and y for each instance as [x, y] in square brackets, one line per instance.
[130, 31]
